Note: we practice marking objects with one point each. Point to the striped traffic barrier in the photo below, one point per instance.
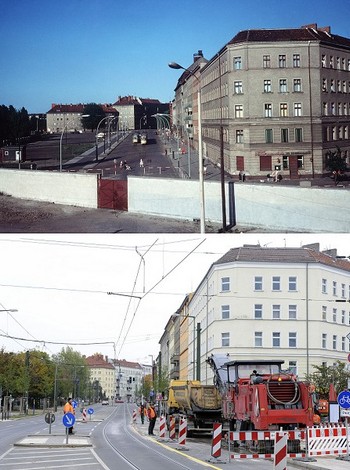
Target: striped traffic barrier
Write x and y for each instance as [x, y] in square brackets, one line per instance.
[134, 415]
[84, 415]
[280, 451]
[216, 443]
[172, 432]
[182, 434]
[162, 427]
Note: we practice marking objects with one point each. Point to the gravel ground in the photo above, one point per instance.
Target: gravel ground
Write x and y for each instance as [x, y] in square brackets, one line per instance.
[22, 215]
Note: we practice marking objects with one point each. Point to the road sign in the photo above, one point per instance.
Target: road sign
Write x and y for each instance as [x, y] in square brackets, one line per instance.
[74, 404]
[68, 420]
[49, 418]
[344, 413]
[91, 411]
[343, 399]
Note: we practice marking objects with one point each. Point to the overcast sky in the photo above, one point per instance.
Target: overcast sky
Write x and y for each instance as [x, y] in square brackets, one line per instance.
[59, 284]
[80, 51]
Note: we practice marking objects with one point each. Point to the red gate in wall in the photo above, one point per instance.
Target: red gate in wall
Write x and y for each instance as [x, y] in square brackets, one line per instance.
[113, 194]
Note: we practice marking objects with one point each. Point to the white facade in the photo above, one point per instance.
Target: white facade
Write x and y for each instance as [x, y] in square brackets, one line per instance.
[274, 303]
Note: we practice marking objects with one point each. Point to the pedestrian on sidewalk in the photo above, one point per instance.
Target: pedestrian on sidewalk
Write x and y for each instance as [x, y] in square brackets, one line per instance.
[141, 163]
[68, 408]
[142, 412]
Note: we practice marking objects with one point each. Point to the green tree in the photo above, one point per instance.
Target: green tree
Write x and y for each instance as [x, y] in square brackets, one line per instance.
[334, 161]
[72, 373]
[163, 380]
[94, 113]
[325, 375]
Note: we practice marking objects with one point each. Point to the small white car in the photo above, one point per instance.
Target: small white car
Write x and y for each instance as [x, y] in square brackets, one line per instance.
[105, 402]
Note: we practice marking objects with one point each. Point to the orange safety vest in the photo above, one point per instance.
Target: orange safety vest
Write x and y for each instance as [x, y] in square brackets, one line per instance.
[68, 408]
[151, 413]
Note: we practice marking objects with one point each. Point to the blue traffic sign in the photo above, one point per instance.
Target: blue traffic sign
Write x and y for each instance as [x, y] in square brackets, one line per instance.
[74, 404]
[68, 420]
[90, 411]
[343, 399]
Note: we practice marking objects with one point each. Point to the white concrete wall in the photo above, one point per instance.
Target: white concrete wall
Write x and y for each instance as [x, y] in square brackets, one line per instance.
[62, 188]
[266, 206]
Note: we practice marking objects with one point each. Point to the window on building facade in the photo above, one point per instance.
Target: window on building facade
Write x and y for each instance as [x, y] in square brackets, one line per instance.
[297, 85]
[282, 61]
[334, 342]
[283, 85]
[238, 110]
[276, 312]
[268, 110]
[258, 283]
[334, 287]
[266, 61]
[268, 136]
[225, 340]
[297, 109]
[343, 317]
[284, 109]
[324, 84]
[334, 316]
[267, 86]
[239, 136]
[225, 312]
[324, 61]
[276, 283]
[258, 339]
[292, 366]
[331, 62]
[343, 343]
[238, 87]
[298, 134]
[276, 339]
[237, 63]
[292, 340]
[324, 340]
[225, 284]
[324, 312]
[296, 60]
[292, 312]
[343, 290]
[324, 286]
[292, 283]
[258, 311]
[284, 135]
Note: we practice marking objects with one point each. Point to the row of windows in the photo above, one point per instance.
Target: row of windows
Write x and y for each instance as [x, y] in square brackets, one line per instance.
[276, 310]
[268, 110]
[335, 109]
[276, 283]
[337, 288]
[333, 133]
[285, 133]
[336, 316]
[281, 61]
[267, 87]
[333, 86]
[331, 62]
[291, 341]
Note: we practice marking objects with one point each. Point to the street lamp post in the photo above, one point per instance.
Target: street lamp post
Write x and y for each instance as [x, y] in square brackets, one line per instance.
[96, 138]
[174, 65]
[65, 127]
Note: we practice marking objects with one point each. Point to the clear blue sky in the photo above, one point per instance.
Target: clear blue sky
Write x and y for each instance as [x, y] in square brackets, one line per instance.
[95, 50]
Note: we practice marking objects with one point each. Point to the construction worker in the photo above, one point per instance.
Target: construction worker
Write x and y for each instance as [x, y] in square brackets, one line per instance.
[68, 408]
[152, 416]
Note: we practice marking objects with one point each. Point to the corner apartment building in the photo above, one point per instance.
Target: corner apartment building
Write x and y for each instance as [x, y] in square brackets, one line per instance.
[262, 302]
[276, 99]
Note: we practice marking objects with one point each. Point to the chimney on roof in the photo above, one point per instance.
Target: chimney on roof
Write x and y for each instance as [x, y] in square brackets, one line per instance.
[197, 55]
[326, 29]
[312, 246]
[332, 252]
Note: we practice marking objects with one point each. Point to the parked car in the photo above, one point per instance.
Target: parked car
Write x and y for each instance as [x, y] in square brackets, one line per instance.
[105, 402]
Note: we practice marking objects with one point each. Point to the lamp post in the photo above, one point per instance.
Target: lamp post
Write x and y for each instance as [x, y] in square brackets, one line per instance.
[109, 131]
[96, 139]
[174, 65]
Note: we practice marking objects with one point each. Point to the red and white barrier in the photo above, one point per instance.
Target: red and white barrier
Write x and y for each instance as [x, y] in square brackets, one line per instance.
[84, 415]
[134, 415]
[280, 451]
[172, 432]
[182, 434]
[327, 441]
[216, 441]
[262, 436]
[162, 423]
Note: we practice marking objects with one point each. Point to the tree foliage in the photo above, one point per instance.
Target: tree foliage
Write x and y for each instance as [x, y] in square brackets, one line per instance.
[325, 375]
[334, 161]
[14, 124]
[94, 113]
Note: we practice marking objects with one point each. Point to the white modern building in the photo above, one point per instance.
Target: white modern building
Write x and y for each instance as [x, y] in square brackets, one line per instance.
[262, 302]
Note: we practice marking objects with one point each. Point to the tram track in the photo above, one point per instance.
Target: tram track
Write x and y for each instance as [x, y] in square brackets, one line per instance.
[142, 445]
